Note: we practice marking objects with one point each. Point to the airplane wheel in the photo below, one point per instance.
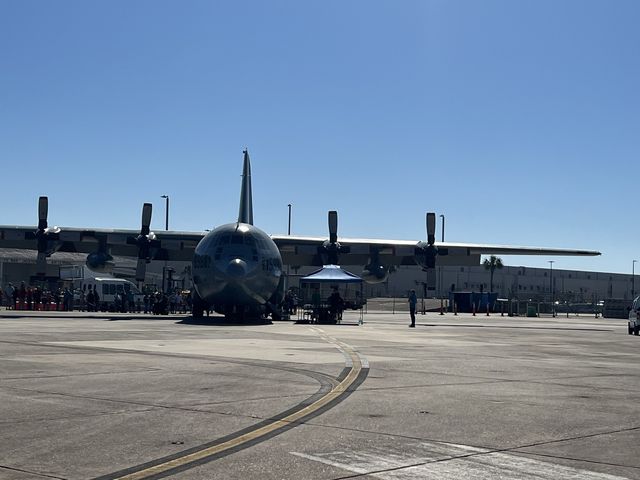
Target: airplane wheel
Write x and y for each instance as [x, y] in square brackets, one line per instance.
[636, 330]
[629, 328]
[198, 306]
[271, 309]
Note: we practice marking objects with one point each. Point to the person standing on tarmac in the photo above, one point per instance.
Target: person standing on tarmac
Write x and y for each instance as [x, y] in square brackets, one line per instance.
[91, 302]
[8, 293]
[413, 301]
[96, 299]
[335, 305]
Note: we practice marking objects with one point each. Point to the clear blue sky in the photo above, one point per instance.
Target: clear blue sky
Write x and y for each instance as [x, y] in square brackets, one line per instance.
[517, 120]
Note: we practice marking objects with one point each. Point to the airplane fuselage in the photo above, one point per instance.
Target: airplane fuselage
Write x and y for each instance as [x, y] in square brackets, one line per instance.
[236, 268]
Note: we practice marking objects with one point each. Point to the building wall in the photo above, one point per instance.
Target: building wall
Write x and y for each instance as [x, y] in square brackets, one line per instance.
[523, 283]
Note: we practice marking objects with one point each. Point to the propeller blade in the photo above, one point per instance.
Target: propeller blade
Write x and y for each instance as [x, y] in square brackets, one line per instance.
[146, 218]
[43, 211]
[431, 228]
[41, 263]
[333, 226]
[141, 269]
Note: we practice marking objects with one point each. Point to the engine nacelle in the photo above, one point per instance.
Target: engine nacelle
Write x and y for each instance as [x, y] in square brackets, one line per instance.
[425, 255]
[100, 262]
[329, 252]
[375, 273]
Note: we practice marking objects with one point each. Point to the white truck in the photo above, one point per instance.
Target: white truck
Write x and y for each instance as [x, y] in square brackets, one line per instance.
[107, 289]
[634, 317]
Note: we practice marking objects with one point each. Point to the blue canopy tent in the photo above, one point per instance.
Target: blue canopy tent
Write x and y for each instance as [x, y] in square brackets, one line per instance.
[317, 288]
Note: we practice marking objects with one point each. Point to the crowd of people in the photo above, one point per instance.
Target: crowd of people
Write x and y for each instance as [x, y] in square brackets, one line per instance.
[26, 297]
[35, 298]
[161, 304]
[329, 311]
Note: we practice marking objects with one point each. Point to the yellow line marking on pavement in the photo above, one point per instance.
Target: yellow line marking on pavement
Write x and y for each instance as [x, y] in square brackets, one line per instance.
[356, 368]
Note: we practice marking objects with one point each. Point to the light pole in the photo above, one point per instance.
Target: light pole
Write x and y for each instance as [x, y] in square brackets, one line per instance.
[166, 216]
[633, 279]
[553, 311]
[440, 276]
[166, 227]
[286, 277]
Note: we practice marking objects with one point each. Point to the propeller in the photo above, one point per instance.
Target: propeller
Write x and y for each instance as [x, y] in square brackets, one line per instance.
[145, 241]
[43, 213]
[430, 251]
[44, 236]
[426, 252]
[333, 227]
[431, 228]
[331, 248]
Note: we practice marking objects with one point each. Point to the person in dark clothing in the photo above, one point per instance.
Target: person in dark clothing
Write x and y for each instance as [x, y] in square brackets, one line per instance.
[67, 300]
[96, 298]
[15, 295]
[29, 298]
[413, 301]
[91, 301]
[336, 304]
[37, 298]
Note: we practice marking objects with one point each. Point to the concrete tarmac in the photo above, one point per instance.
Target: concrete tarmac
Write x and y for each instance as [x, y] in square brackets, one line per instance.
[459, 397]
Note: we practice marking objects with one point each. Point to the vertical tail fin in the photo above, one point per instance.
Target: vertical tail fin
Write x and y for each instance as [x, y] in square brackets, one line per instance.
[246, 201]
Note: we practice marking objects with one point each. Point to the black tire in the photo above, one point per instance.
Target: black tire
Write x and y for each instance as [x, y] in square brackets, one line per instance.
[636, 330]
[198, 306]
[629, 328]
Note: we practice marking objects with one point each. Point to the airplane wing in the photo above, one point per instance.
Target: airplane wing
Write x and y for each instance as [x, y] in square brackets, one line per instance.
[100, 244]
[172, 245]
[295, 250]
[299, 251]
[378, 255]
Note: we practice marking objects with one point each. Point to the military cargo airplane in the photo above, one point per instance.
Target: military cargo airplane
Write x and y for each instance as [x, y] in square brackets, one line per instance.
[237, 268]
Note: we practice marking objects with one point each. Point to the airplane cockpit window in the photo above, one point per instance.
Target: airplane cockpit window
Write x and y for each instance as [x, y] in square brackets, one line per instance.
[237, 239]
[224, 240]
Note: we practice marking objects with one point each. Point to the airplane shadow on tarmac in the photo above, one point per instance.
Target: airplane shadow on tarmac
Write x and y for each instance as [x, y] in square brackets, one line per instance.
[221, 321]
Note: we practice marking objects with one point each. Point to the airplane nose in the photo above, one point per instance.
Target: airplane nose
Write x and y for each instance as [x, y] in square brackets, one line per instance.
[237, 268]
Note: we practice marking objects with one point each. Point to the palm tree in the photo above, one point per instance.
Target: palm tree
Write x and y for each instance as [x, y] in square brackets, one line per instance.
[491, 264]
